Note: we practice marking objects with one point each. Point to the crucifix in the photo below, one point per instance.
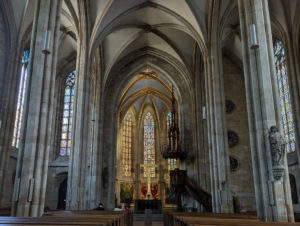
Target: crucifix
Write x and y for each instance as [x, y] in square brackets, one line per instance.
[147, 170]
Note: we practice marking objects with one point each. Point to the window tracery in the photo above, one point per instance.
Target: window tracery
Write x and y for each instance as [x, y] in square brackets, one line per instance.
[21, 97]
[149, 143]
[65, 143]
[284, 92]
[127, 145]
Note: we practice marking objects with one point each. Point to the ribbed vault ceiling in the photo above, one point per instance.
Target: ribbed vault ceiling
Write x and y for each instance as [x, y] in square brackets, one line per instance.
[172, 26]
[145, 90]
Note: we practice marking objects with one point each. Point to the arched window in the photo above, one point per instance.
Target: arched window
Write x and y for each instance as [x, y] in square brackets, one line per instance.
[171, 162]
[284, 91]
[126, 145]
[149, 143]
[20, 103]
[65, 143]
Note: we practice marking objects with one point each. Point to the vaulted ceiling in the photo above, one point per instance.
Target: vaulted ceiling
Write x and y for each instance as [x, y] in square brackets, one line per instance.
[175, 27]
[146, 88]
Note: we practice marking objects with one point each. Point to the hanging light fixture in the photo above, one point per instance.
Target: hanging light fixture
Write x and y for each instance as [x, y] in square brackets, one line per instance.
[46, 49]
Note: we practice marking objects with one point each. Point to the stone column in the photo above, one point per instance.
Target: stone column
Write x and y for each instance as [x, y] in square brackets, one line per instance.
[77, 197]
[79, 156]
[9, 79]
[95, 164]
[32, 166]
[217, 140]
[216, 121]
[273, 201]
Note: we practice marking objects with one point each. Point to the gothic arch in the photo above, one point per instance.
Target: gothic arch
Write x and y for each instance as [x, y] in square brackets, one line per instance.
[113, 88]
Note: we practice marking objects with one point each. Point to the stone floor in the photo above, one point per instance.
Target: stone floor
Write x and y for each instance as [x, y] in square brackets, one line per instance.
[141, 223]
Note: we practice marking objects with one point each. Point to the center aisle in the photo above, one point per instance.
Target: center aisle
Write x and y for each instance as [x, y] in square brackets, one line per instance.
[141, 223]
[157, 219]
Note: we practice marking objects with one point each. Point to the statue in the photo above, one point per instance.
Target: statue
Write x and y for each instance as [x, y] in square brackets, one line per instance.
[277, 146]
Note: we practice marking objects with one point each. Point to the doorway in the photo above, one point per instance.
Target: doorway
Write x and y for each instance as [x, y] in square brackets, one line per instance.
[62, 195]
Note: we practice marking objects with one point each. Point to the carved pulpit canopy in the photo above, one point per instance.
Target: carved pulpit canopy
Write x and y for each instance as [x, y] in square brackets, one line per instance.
[173, 150]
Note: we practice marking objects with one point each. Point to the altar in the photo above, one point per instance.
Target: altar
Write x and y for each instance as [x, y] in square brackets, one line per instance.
[140, 205]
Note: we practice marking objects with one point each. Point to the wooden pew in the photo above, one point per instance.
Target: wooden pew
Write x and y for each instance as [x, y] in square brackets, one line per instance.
[169, 217]
[53, 221]
[197, 219]
[120, 218]
[102, 218]
[4, 212]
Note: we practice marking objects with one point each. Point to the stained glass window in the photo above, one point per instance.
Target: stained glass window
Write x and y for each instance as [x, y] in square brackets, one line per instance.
[21, 97]
[126, 145]
[284, 91]
[65, 142]
[171, 162]
[149, 143]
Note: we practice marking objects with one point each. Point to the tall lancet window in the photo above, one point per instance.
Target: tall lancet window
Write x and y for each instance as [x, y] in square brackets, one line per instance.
[126, 145]
[149, 143]
[65, 143]
[21, 96]
[171, 162]
[284, 91]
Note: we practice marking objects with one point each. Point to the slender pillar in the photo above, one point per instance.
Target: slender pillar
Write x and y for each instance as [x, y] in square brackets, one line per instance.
[9, 78]
[273, 201]
[79, 168]
[218, 144]
[32, 166]
[216, 121]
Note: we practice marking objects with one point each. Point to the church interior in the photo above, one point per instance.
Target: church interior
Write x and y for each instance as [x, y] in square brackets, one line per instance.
[189, 108]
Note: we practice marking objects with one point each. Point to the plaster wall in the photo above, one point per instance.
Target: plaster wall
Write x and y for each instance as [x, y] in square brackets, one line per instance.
[237, 121]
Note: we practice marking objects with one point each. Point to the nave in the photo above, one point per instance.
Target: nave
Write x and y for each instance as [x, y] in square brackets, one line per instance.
[93, 95]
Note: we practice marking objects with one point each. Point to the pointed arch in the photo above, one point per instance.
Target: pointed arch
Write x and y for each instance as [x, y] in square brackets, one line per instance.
[66, 130]
[127, 145]
[284, 94]
[21, 97]
[149, 142]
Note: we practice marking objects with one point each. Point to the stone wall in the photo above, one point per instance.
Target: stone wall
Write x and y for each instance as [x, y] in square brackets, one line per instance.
[9, 180]
[3, 54]
[237, 121]
[294, 170]
[57, 173]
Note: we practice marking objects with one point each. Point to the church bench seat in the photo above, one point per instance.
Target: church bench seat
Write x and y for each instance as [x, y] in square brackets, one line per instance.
[54, 221]
[4, 212]
[170, 217]
[120, 218]
[190, 220]
[216, 215]
[193, 219]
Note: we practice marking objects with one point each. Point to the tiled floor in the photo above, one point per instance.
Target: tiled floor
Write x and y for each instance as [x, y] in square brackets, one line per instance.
[141, 223]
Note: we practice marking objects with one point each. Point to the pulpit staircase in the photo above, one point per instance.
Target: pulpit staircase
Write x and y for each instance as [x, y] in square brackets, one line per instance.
[198, 194]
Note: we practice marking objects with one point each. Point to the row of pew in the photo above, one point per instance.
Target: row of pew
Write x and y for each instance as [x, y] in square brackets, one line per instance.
[197, 219]
[93, 217]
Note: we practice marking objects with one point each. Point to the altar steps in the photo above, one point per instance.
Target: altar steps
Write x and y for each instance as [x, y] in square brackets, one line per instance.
[155, 217]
